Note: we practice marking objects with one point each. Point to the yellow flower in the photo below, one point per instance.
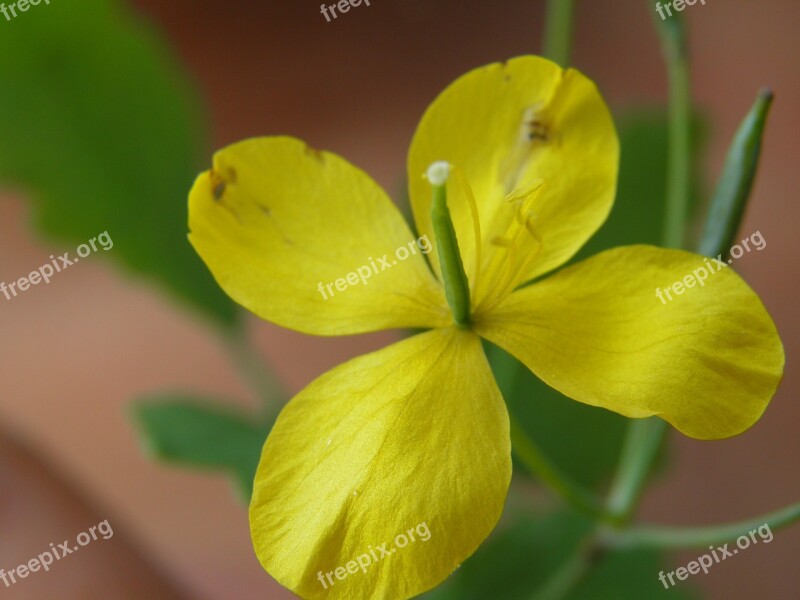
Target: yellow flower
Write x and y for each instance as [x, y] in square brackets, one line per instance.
[417, 433]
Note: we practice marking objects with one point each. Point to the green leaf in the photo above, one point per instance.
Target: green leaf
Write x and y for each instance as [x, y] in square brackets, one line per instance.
[638, 213]
[202, 434]
[516, 560]
[99, 124]
[631, 576]
[581, 440]
[519, 559]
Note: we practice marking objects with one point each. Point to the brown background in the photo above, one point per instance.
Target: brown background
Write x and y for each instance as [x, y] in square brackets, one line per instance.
[74, 353]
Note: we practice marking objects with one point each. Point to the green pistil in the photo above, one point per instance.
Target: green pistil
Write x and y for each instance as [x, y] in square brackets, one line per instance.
[456, 286]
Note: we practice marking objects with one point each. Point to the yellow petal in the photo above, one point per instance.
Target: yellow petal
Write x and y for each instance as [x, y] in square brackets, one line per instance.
[510, 127]
[306, 240]
[708, 361]
[409, 439]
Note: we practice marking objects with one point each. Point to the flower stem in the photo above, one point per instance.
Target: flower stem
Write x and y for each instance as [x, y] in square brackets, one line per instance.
[642, 442]
[644, 437]
[671, 538]
[569, 574]
[558, 31]
[253, 369]
[674, 48]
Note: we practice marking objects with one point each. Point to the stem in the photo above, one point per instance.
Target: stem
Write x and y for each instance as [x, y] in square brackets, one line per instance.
[252, 368]
[679, 156]
[642, 442]
[671, 538]
[530, 455]
[673, 44]
[644, 437]
[558, 31]
[569, 574]
[557, 47]
[507, 371]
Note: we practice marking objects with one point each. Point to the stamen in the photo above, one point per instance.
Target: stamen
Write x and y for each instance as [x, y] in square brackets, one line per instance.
[521, 244]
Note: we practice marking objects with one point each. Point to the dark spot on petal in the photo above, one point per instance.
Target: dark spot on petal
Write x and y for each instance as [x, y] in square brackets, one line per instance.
[537, 130]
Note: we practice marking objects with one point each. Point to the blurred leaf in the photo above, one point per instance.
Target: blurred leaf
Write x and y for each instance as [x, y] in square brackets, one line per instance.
[638, 212]
[519, 559]
[631, 576]
[201, 434]
[98, 122]
[581, 440]
[516, 560]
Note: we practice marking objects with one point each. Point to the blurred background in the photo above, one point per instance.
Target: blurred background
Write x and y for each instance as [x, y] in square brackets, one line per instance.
[76, 352]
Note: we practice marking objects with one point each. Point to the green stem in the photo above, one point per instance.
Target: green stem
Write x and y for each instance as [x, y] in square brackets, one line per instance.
[252, 368]
[673, 44]
[558, 31]
[508, 372]
[569, 574]
[672, 538]
[644, 437]
[530, 455]
[679, 162]
[642, 442]
[557, 47]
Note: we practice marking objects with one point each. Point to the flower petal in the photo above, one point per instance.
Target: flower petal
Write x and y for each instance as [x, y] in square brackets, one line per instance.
[416, 433]
[304, 239]
[708, 361]
[510, 127]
